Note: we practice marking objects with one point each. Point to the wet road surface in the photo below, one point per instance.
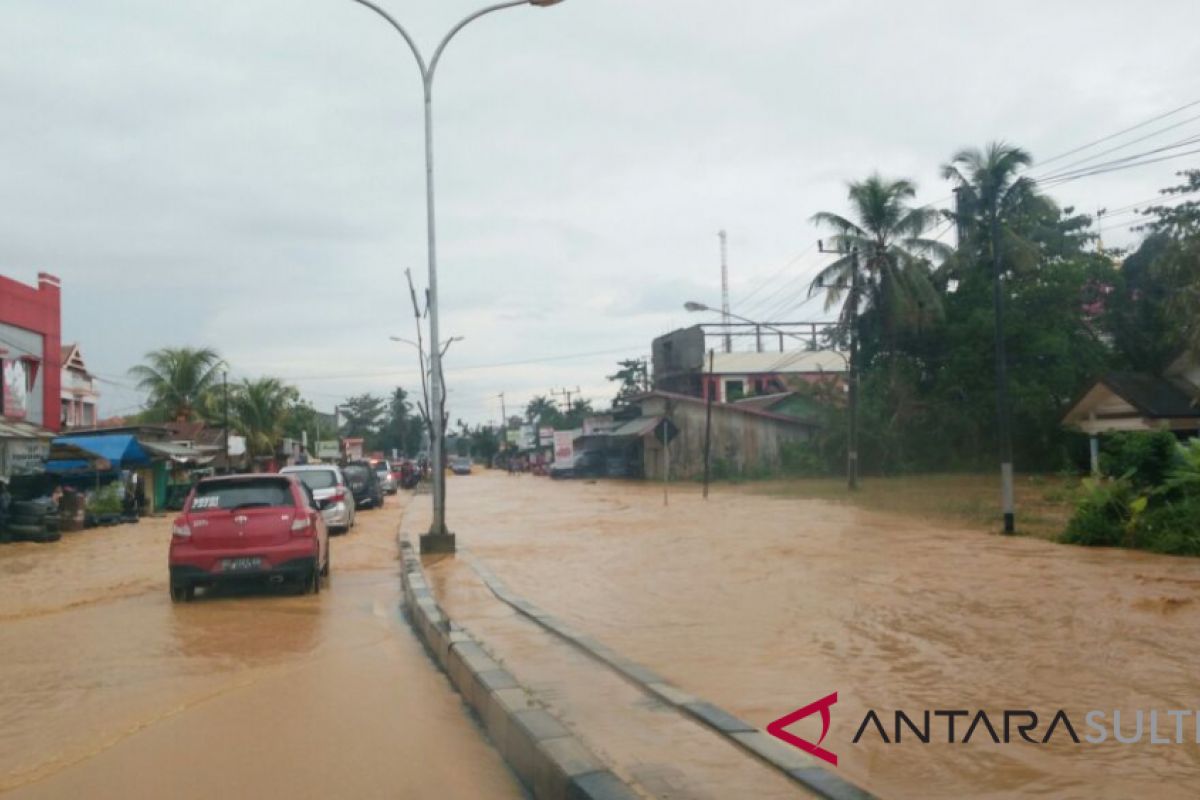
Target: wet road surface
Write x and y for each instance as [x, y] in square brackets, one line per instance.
[108, 690]
[762, 605]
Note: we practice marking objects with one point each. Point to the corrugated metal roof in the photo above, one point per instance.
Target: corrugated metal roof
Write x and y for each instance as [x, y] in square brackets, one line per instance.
[637, 427]
[791, 361]
[16, 429]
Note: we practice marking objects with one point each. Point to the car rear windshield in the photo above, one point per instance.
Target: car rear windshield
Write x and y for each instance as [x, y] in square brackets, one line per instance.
[317, 478]
[241, 494]
[353, 472]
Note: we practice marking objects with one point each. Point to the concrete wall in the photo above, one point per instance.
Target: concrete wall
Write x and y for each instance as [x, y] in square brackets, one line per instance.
[743, 440]
[32, 320]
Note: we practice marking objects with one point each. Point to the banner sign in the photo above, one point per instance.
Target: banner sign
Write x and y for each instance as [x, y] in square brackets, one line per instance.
[16, 389]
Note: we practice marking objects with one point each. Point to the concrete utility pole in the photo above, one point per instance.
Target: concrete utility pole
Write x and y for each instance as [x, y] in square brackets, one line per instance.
[567, 393]
[1007, 498]
[503, 413]
[725, 291]
[225, 390]
[438, 539]
[708, 403]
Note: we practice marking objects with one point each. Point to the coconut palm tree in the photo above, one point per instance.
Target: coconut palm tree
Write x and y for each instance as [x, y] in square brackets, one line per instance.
[177, 379]
[259, 411]
[992, 199]
[885, 266]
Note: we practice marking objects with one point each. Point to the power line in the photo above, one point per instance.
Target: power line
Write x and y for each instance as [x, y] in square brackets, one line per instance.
[1112, 136]
[1131, 142]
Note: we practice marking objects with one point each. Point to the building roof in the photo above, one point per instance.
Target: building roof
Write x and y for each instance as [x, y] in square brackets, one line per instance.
[1151, 395]
[17, 429]
[1120, 399]
[790, 361]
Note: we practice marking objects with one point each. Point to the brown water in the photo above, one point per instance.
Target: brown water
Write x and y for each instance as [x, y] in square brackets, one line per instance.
[108, 690]
[762, 605]
[655, 749]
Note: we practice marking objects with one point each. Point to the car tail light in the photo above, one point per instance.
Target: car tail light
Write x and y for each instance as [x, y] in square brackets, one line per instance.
[338, 497]
[301, 524]
[180, 530]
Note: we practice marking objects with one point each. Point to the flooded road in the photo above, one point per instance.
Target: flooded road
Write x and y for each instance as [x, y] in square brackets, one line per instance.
[108, 690]
[763, 605]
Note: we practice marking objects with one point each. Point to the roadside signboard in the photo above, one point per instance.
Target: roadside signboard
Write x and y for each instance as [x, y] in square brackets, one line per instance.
[328, 450]
[564, 446]
[353, 449]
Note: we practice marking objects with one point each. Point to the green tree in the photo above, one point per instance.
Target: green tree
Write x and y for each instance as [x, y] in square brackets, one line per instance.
[259, 410]
[633, 379]
[544, 410]
[362, 416]
[178, 381]
[893, 289]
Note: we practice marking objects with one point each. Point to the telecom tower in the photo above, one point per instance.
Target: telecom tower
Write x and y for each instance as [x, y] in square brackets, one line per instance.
[725, 292]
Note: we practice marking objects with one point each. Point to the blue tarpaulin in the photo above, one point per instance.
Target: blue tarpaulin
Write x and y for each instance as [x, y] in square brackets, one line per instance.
[121, 450]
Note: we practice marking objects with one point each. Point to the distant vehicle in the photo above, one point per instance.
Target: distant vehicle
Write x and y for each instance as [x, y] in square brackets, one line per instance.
[333, 496]
[364, 484]
[388, 478]
[587, 464]
[460, 465]
[241, 527]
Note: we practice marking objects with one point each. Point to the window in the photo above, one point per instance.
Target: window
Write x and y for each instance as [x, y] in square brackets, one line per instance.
[317, 478]
[734, 390]
[230, 495]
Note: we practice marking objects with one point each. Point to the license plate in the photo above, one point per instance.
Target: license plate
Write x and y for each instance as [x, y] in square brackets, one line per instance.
[240, 564]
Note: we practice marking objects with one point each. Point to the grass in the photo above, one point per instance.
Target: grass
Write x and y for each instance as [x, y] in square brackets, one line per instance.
[1044, 502]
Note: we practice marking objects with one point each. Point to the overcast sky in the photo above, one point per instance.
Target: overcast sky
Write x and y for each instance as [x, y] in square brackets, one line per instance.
[248, 174]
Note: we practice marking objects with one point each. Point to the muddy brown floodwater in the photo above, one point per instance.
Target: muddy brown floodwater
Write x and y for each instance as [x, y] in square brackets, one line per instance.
[108, 690]
[763, 605]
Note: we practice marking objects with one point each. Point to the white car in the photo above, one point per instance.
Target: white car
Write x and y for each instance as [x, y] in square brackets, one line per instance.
[329, 489]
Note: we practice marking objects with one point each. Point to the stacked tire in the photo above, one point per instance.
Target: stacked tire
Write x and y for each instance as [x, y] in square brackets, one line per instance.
[33, 522]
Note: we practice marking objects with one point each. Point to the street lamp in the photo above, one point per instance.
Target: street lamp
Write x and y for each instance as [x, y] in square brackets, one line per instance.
[438, 539]
[851, 406]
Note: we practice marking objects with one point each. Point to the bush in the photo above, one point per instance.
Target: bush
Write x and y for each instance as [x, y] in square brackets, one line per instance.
[1172, 528]
[105, 501]
[1149, 455]
[1104, 513]
[802, 459]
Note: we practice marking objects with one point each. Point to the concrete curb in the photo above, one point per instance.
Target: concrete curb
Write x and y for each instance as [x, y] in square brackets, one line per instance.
[552, 763]
[801, 768]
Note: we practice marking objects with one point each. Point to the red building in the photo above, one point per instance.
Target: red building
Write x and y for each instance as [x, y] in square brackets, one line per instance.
[31, 353]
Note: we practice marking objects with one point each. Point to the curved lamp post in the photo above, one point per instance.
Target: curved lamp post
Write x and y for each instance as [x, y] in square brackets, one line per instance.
[852, 406]
[439, 539]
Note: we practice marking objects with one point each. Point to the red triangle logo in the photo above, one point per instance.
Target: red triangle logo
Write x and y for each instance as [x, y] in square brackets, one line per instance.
[778, 728]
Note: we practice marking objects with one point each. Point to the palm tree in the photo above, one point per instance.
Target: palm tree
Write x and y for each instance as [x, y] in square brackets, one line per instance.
[885, 265]
[260, 410]
[177, 379]
[991, 197]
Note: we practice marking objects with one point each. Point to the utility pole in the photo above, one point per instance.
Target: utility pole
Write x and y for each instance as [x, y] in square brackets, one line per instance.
[851, 368]
[708, 398]
[225, 414]
[567, 393]
[503, 413]
[725, 291]
[1007, 499]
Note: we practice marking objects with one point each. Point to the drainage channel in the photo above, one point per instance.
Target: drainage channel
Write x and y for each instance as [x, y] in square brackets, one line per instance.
[644, 740]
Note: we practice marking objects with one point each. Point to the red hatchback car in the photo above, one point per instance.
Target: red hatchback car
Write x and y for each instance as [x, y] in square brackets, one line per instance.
[243, 527]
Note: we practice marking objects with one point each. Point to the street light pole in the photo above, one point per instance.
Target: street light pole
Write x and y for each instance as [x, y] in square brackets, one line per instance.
[438, 539]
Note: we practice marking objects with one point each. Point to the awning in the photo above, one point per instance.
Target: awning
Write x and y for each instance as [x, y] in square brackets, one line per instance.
[642, 426]
[181, 453]
[119, 450]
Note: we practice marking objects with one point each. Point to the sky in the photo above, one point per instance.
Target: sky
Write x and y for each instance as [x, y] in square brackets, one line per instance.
[249, 174]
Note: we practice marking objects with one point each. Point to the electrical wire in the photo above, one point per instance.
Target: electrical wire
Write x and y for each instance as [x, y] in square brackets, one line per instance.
[1112, 136]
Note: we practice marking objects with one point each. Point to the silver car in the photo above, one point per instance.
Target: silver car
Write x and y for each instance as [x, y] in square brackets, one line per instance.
[329, 489]
[387, 478]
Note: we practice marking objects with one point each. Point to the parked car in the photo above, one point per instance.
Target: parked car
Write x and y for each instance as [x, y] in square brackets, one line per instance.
[334, 498]
[241, 527]
[460, 465]
[388, 479]
[588, 464]
[364, 484]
